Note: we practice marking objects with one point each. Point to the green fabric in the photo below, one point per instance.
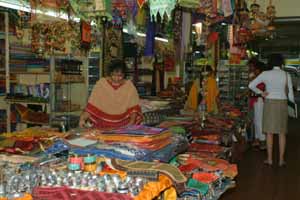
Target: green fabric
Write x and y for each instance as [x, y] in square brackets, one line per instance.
[201, 187]
[174, 162]
[178, 118]
[178, 130]
[79, 8]
[189, 3]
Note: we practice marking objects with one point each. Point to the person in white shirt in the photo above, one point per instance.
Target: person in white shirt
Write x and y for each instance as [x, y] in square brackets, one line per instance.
[275, 112]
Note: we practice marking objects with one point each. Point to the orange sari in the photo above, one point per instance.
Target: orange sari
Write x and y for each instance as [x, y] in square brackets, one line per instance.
[212, 93]
[111, 107]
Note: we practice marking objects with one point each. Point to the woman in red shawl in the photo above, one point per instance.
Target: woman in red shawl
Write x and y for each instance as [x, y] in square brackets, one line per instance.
[114, 101]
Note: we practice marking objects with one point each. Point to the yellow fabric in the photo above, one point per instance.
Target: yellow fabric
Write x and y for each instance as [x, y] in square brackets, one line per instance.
[141, 17]
[125, 138]
[170, 194]
[154, 189]
[212, 92]
[111, 101]
[192, 101]
[25, 197]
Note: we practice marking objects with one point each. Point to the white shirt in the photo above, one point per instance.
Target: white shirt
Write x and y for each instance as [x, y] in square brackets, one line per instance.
[275, 81]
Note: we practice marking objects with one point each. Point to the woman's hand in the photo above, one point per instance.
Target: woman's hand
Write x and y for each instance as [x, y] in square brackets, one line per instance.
[264, 94]
[132, 119]
[83, 118]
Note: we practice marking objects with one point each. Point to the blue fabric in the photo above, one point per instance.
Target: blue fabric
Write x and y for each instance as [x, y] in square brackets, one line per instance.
[150, 39]
[178, 145]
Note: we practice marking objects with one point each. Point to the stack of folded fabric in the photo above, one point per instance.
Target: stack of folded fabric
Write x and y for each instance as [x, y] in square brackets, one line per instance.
[153, 105]
[32, 117]
[28, 141]
[23, 60]
[140, 136]
[130, 143]
[209, 177]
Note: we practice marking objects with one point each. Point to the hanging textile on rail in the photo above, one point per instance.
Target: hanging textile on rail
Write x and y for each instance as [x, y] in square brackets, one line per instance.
[189, 3]
[87, 10]
[161, 7]
[141, 3]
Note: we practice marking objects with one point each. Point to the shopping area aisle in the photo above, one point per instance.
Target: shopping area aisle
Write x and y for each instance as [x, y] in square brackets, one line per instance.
[259, 182]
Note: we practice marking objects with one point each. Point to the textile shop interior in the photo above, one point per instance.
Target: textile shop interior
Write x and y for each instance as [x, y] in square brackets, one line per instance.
[134, 99]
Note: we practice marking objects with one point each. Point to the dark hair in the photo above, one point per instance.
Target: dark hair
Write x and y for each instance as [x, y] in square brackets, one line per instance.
[117, 65]
[275, 59]
[253, 61]
[208, 68]
[261, 66]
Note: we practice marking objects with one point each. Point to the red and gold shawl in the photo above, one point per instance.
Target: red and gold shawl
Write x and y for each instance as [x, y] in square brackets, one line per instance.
[111, 107]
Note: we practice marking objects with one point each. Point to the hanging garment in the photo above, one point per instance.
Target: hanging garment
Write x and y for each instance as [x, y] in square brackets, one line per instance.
[150, 39]
[189, 3]
[212, 92]
[161, 7]
[186, 28]
[227, 7]
[192, 101]
[141, 3]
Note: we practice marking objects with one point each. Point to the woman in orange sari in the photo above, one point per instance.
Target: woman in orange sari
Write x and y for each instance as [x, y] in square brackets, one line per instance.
[212, 91]
[114, 101]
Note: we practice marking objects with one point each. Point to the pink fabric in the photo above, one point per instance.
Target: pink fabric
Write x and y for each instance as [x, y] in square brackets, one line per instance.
[64, 193]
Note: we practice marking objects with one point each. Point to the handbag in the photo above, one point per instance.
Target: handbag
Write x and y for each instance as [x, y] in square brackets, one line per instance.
[292, 106]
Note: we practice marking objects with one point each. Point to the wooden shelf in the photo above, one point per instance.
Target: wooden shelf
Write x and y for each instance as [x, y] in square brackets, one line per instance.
[13, 101]
[41, 124]
[67, 113]
[71, 82]
[34, 73]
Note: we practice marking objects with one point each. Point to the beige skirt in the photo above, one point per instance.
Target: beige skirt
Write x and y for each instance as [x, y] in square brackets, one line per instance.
[275, 116]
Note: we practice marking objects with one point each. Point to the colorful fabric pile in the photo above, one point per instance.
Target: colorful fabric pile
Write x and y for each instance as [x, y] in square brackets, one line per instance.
[55, 181]
[23, 60]
[131, 143]
[28, 141]
[153, 105]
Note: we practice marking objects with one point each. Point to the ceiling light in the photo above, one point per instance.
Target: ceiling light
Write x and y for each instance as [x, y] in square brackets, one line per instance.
[125, 30]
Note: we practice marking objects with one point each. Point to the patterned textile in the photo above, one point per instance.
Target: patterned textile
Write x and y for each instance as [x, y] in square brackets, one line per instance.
[86, 10]
[189, 3]
[64, 193]
[141, 3]
[153, 189]
[161, 7]
[170, 171]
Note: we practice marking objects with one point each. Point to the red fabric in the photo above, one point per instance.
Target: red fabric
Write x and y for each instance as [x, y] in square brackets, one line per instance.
[21, 146]
[213, 37]
[104, 120]
[114, 86]
[207, 178]
[187, 168]
[169, 64]
[253, 100]
[212, 148]
[64, 193]
[141, 3]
